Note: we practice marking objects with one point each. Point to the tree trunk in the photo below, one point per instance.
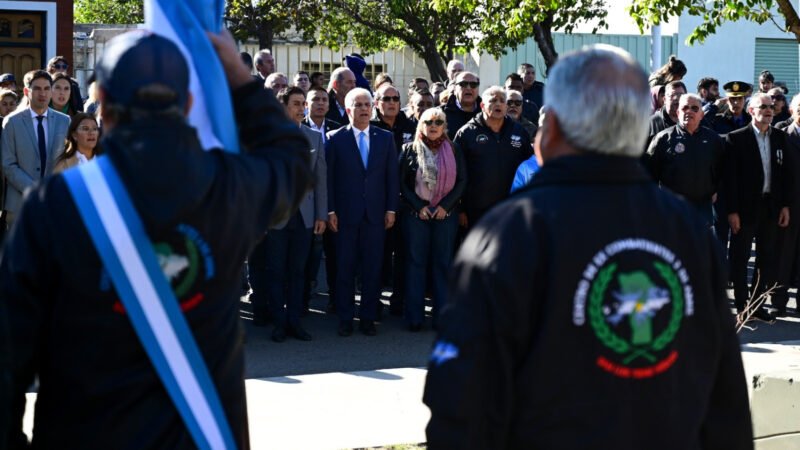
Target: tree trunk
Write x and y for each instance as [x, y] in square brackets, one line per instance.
[544, 39]
[792, 21]
[436, 66]
[265, 37]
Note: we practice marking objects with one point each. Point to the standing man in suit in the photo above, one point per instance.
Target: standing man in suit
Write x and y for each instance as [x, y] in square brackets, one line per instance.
[342, 81]
[363, 192]
[288, 243]
[318, 106]
[758, 187]
[32, 140]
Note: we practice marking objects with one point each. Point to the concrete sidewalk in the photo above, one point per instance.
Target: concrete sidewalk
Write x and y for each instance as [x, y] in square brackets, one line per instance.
[337, 410]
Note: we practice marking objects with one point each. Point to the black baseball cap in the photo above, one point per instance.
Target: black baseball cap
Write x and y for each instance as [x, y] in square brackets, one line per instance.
[137, 59]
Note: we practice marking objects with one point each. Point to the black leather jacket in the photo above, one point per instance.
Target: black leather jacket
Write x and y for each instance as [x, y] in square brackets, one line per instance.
[97, 387]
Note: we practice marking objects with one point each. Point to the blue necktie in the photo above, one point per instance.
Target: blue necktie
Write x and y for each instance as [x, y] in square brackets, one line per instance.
[363, 147]
[42, 145]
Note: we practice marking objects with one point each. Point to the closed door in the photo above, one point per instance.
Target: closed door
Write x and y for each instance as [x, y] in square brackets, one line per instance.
[21, 43]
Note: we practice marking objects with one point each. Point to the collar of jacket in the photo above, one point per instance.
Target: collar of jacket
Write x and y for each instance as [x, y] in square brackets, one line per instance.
[453, 106]
[664, 115]
[508, 123]
[590, 168]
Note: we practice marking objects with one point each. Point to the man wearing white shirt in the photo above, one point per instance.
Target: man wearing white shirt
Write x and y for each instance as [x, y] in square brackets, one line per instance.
[32, 140]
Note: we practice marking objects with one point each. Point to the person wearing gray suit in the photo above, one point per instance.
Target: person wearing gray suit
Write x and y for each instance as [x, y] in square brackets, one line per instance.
[31, 141]
[287, 245]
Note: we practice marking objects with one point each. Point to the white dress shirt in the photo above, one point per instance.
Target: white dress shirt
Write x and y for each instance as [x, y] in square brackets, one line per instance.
[36, 125]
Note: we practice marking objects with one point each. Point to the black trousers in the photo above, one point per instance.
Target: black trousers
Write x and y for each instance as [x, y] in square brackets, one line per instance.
[788, 262]
[765, 231]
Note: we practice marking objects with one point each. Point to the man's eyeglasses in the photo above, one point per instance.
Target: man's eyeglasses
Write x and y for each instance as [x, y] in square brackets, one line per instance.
[468, 84]
[763, 107]
[61, 66]
[437, 122]
[394, 98]
[514, 103]
[692, 108]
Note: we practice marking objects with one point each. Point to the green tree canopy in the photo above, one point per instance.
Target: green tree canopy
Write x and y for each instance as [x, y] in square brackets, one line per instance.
[716, 12]
[109, 11]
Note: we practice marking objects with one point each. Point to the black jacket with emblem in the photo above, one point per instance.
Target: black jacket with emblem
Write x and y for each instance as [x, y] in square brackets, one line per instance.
[97, 387]
[536, 348]
[687, 164]
[457, 117]
[492, 161]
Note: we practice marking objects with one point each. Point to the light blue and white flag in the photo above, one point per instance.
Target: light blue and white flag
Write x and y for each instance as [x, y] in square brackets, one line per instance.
[185, 22]
[130, 260]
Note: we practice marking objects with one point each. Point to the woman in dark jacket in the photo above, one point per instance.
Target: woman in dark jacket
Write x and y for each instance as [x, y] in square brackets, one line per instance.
[432, 179]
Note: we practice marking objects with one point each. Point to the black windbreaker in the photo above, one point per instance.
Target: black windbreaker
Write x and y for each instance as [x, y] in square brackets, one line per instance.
[687, 164]
[588, 312]
[97, 387]
[492, 161]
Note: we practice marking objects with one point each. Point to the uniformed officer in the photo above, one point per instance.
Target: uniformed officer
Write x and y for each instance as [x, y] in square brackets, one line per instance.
[589, 310]
[687, 157]
[735, 116]
[494, 146]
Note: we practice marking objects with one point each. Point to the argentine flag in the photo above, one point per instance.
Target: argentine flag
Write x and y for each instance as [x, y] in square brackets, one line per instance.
[185, 22]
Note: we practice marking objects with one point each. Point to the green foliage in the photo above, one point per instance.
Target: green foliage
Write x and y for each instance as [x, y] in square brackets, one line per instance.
[713, 13]
[259, 18]
[508, 23]
[109, 11]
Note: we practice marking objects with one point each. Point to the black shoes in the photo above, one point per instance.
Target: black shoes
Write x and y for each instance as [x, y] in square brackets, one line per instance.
[762, 315]
[367, 327]
[299, 333]
[345, 328]
[279, 334]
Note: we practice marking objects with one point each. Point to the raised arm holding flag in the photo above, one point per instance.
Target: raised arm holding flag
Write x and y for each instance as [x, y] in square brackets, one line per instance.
[120, 278]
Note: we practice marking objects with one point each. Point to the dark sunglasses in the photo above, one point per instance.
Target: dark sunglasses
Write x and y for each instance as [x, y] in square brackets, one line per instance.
[469, 84]
[437, 122]
[778, 98]
[763, 107]
[514, 103]
[60, 66]
[388, 98]
[693, 108]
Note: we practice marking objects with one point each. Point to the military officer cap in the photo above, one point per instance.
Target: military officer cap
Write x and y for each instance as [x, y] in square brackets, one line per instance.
[736, 88]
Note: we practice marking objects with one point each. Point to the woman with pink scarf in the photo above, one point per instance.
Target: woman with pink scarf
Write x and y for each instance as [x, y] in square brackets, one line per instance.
[432, 179]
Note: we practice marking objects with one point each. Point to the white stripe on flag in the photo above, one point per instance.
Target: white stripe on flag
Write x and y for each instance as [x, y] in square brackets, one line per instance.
[134, 268]
[156, 21]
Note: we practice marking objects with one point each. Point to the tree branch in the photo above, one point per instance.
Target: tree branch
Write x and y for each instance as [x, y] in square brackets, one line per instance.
[792, 21]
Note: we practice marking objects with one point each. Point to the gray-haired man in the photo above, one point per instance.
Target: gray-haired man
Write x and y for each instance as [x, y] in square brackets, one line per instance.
[589, 310]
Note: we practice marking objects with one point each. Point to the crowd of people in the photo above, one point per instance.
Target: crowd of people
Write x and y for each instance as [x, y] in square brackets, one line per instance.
[434, 158]
[736, 159]
[387, 193]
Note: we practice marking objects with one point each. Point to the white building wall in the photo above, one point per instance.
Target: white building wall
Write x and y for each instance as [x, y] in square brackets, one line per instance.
[727, 55]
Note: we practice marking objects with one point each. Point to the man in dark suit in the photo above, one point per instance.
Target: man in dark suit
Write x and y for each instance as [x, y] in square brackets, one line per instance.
[318, 106]
[363, 192]
[758, 194]
[789, 238]
[342, 81]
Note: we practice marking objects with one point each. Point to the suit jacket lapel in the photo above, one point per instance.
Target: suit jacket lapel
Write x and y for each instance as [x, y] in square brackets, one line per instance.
[27, 122]
[51, 134]
[373, 145]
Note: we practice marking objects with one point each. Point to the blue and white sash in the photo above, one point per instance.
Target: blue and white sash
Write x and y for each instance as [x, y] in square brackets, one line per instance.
[129, 258]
